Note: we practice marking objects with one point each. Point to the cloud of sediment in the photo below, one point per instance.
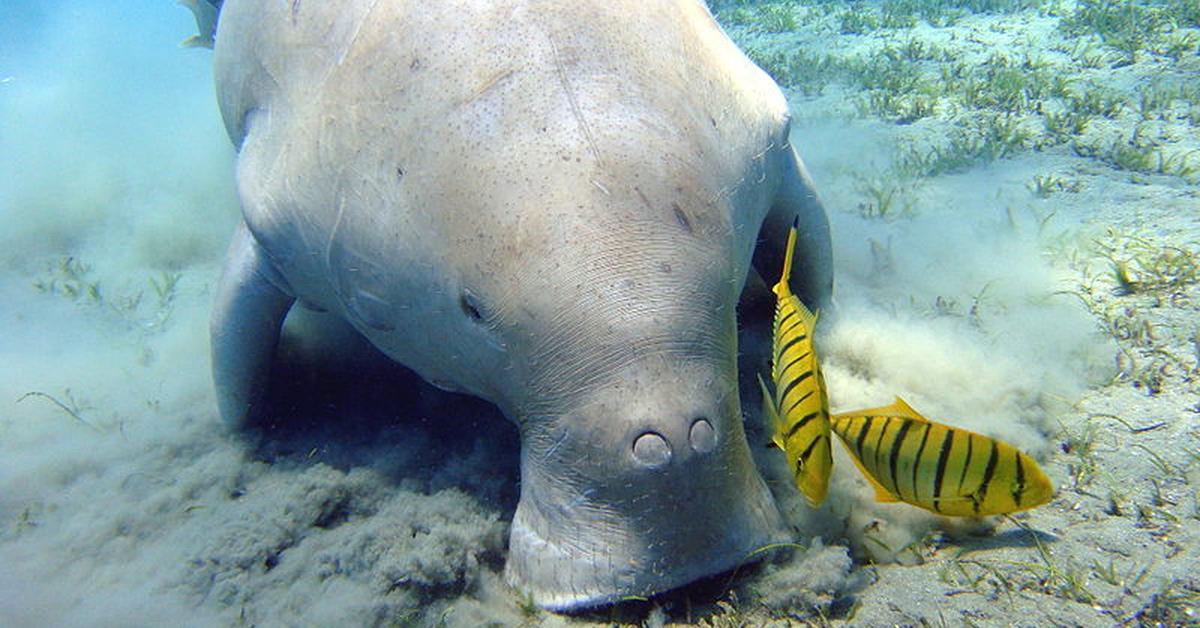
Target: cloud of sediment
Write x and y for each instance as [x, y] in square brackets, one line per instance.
[952, 307]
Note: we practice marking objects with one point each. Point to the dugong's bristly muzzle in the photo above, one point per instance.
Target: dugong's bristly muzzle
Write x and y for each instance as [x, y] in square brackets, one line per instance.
[646, 486]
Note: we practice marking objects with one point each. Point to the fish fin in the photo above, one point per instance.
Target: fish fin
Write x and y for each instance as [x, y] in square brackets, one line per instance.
[771, 414]
[815, 492]
[898, 408]
[782, 289]
[882, 495]
[807, 316]
[902, 408]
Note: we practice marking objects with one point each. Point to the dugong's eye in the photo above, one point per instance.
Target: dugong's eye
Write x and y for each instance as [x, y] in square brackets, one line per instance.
[470, 306]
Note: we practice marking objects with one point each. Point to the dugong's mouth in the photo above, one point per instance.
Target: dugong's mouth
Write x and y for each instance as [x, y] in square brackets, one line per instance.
[591, 565]
[621, 499]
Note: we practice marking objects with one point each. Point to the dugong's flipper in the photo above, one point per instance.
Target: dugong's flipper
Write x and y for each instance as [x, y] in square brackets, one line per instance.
[812, 266]
[245, 326]
[206, 13]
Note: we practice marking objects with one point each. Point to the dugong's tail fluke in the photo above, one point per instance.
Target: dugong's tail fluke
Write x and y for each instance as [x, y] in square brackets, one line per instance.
[206, 13]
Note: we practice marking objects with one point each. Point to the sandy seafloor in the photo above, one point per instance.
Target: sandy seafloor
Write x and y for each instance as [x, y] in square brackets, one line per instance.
[981, 286]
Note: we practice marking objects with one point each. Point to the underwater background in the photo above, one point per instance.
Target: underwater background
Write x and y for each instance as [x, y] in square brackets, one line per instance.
[1014, 188]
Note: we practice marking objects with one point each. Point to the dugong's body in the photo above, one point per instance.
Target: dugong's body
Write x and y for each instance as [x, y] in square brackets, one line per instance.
[550, 204]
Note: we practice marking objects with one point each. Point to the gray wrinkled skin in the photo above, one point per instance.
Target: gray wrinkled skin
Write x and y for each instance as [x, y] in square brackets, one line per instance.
[552, 205]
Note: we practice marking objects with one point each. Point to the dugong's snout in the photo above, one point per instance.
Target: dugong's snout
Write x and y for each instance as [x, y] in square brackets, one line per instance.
[645, 486]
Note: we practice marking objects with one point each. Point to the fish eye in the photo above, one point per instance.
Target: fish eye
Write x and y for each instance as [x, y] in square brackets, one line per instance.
[470, 306]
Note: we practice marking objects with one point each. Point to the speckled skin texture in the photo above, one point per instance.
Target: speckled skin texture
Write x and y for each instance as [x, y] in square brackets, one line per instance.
[551, 205]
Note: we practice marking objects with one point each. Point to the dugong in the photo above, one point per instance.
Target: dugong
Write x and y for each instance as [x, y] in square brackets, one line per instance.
[205, 12]
[550, 204]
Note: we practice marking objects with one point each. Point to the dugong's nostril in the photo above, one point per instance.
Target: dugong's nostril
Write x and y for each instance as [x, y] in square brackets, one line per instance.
[702, 436]
[651, 450]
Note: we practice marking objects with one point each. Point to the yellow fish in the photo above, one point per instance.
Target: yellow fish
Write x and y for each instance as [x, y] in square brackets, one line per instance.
[943, 469]
[799, 409]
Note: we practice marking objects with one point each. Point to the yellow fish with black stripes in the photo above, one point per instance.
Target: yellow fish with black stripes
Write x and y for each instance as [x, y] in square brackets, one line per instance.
[943, 469]
[799, 410]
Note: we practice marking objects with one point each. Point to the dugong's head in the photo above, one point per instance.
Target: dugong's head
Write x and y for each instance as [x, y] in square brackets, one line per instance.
[603, 323]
